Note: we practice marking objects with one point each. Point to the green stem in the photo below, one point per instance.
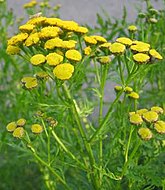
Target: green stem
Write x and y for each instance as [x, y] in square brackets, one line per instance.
[120, 70]
[48, 166]
[79, 40]
[104, 70]
[130, 158]
[93, 172]
[126, 60]
[97, 71]
[128, 144]
[48, 147]
[106, 118]
[65, 149]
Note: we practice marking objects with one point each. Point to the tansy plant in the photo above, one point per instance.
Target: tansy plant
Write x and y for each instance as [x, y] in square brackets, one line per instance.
[74, 149]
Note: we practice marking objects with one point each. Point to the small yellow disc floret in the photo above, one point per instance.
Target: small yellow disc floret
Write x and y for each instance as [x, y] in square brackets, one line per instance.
[117, 48]
[73, 55]
[11, 126]
[63, 71]
[38, 59]
[155, 54]
[36, 128]
[157, 109]
[18, 132]
[124, 40]
[141, 58]
[150, 116]
[160, 127]
[136, 119]
[54, 59]
[145, 133]
[21, 122]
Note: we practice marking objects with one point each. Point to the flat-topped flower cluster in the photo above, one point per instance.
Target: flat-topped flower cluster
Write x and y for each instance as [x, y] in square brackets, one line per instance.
[57, 45]
[148, 120]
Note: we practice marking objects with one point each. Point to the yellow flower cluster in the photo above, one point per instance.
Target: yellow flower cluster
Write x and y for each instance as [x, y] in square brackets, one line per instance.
[17, 128]
[128, 90]
[51, 42]
[141, 50]
[146, 117]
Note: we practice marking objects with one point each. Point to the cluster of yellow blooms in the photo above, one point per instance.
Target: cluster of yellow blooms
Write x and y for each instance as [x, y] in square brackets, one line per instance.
[142, 53]
[52, 42]
[147, 118]
[17, 128]
[128, 90]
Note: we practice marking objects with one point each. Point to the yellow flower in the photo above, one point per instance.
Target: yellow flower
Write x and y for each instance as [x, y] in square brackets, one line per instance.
[145, 133]
[49, 32]
[38, 59]
[18, 39]
[132, 28]
[45, 4]
[18, 132]
[21, 122]
[150, 116]
[133, 95]
[131, 113]
[89, 40]
[54, 59]
[12, 50]
[68, 44]
[73, 55]
[53, 21]
[159, 126]
[136, 119]
[128, 89]
[37, 21]
[104, 59]
[68, 25]
[32, 39]
[99, 39]
[141, 58]
[118, 88]
[155, 54]
[52, 43]
[153, 20]
[27, 28]
[81, 30]
[30, 4]
[124, 40]
[141, 111]
[140, 48]
[42, 75]
[117, 48]
[36, 128]
[29, 82]
[105, 45]
[11, 126]
[51, 121]
[143, 44]
[63, 71]
[157, 109]
[87, 50]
